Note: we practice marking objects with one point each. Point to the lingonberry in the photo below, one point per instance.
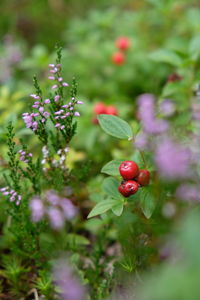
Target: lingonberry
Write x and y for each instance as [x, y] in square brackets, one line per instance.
[128, 188]
[122, 43]
[174, 77]
[111, 110]
[143, 178]
[118, 58]
[128, 169]
[100, 108]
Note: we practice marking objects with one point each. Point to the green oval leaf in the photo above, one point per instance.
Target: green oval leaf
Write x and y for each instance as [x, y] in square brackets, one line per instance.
[117, 209]
[147, 202]
[166, 56]
[102, 207]
[110, 187]
[115, 126]
[112, 167]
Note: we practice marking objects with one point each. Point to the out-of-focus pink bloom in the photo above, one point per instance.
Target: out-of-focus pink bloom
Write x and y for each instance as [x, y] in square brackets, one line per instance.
[172, 160]
[69, 284]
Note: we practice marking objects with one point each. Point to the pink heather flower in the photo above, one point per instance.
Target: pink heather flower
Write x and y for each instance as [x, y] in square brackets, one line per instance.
[35, 126]
[57, 125]
[69, 284]
[37, 209]
[141, 141]
[56, 98]
[60, 79]
[47, 101]
[54, 86]
[80, 102]
[35, 106]
[34, 96]
[52, 197]
[56, 218]
[4, 189]
[52, 71]
[71, 108]
[62, 127]
[172, 160]
[14, 197]
[51, 77]
[150, 124]
[67, 114]
[69, 210]
[46, 114]
[77, 114]
[59, 112]
[41, 109]
[51, 65]
[188, 192]
[65, 84]
[65, 106]
[167, 108]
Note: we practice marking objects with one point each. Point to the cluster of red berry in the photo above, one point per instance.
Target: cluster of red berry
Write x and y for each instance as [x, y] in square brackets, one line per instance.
[122, 43]
[133, 178]
[101, 108]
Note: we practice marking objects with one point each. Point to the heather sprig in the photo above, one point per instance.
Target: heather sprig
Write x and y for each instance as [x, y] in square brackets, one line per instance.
[54, 109]
[13, 161]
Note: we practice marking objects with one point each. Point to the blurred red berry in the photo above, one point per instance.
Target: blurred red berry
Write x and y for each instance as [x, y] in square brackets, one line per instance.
[111, 110]
[122, 43]
[143, 178]
[118, 58]
[128, 169]
[174, 77]
[95, 121]
[99, 108]
[128, 188]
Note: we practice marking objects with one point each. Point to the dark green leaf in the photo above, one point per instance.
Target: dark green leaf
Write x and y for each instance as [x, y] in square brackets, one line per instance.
[112, 167]
[115, 126]
[147, 202]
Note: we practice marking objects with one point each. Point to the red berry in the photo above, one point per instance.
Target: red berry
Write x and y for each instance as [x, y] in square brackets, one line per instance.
[111, 110]
[95, 121]
[100, 108]
[118, 58]
[122, 43]
[143, 178]
[174, 77]
[128, 188]
[128, 169]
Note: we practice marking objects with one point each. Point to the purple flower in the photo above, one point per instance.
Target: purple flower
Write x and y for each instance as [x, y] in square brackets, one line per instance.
[150, 124]
[65, 84]
[69, 284]
[51, 77]
[46, 114]
[54, 86]
[77, 114]
[56, 98]
[167, 108]
[141, 141]
[56, 217]
[37, 209]
[172, 160]
[47, 101]
[41, 109]
[188, 192]
[69, 210]
[14, 196]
